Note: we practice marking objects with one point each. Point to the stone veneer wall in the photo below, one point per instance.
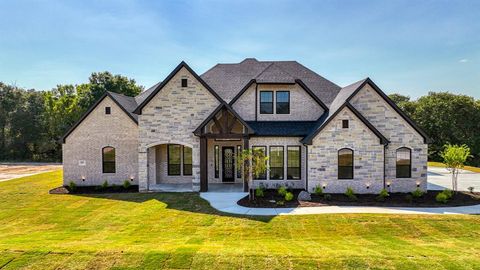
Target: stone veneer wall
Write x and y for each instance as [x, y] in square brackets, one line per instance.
[368, 156]
[400, 134]
[96, 131]
[171, 117]
[282, 141]
[302, 106]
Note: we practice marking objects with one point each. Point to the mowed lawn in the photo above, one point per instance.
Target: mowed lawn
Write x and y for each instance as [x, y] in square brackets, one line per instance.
[175, 231]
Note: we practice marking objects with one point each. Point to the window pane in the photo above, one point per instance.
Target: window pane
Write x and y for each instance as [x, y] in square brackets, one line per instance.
[283, 102]
[239, 168]
[404, 163]
[187, 160]
[216, 161]
[276, 162]
[345, 164]
[108, 158]
[266, 102]
[293, 162]
[266, 96]
[263, 149]
[174, 159]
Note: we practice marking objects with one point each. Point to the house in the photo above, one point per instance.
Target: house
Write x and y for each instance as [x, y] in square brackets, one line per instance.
[188, 130]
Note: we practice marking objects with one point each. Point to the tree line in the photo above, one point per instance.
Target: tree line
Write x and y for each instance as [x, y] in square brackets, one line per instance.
[33, 122]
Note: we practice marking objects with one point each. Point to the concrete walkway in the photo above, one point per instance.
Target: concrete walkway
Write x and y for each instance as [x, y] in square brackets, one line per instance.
[227, 202]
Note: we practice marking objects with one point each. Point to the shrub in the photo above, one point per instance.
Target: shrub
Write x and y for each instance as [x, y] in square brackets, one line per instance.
[448, 193]
[102, 186]
[115, 187]
[126, 184]
[282, 191]
[409, 198]
[318, 190]
[327, 197]
[259, 192]
[280, 203]
[288, 196]
[72, 186]
[441, 197]
[471, 189]
[417, 193]
[382, 196]
[350, 194]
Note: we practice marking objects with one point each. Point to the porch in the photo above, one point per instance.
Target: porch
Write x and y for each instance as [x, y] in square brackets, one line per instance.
[213, 187]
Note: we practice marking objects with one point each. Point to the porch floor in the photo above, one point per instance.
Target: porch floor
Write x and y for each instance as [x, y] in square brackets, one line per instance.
[212, 187]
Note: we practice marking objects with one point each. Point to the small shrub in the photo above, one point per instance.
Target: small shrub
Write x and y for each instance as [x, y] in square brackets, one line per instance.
[318, 190]
[282, 191]
[280, 203]
[288, 196]
[350, 194]
[409, 198]
[105, 184]
[383, 195]
[327, 197]
[72, 186]
[441, 197]
[115, 187]
[471, 189]
[417, 193]
[126, 184]
[448, 193]
[259, 192]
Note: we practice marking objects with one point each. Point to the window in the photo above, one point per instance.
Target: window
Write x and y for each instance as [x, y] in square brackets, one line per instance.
[107, 110]
[184, 83]
[239, 168]
[187, 160]
[276, 162]
[404, 163]
[174, 160]
[263, 149]
[345, 163]
[217, 161]
[266, 102]
[108, 159]
[283, 102]
[344, 123]
[293, 162]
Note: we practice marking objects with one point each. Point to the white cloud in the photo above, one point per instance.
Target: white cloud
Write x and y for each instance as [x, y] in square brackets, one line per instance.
[463, 60]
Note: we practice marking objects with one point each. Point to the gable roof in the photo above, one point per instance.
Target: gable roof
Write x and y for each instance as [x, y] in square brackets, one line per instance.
[231, 80]
[125, 103]
[159, 86]
[210, 117]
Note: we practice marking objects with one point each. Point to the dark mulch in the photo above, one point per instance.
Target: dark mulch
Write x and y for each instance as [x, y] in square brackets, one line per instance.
[94, 190]
[394, 200]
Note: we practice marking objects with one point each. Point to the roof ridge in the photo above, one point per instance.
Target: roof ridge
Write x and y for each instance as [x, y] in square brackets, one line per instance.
[256, 76]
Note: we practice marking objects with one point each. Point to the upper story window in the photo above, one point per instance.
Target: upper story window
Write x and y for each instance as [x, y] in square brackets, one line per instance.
[108, 110]
[108, 159]
[345, 163]
[344, 123]
[404, 162]
[266, 102]
[184, 83]
[283, 102]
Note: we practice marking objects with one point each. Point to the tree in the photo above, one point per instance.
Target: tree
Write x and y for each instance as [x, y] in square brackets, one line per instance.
[254, 163]
[454, 158]
[404, 103]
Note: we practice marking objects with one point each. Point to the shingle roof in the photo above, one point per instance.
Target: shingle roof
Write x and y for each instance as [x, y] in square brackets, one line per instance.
[282, 128]
[128, 103]
[229, 79]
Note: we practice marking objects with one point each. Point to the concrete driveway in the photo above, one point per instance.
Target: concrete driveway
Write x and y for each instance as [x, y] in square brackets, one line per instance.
[440, 178]
[10, 171]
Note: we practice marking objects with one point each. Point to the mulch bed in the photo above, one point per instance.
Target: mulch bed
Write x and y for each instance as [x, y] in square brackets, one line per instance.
[271, 198]
[94, 190]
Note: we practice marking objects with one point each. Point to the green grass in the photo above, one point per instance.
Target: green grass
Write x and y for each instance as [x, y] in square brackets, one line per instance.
[178, 231]
[439, 164]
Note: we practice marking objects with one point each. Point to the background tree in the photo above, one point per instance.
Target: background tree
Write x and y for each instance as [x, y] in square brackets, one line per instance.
[454, 158]
[254, 164]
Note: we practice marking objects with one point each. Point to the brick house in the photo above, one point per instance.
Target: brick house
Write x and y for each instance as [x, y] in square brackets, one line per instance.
[187, 130]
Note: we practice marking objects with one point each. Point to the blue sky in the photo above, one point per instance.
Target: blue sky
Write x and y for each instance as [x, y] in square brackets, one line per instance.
[409, 47]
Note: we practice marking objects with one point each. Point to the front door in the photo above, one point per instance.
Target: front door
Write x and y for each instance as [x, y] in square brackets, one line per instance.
[228, 167]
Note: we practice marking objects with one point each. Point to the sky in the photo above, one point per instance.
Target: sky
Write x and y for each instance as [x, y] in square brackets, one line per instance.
[406, 47]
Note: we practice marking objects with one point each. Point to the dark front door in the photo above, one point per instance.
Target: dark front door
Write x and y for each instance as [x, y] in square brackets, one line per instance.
[228, 167]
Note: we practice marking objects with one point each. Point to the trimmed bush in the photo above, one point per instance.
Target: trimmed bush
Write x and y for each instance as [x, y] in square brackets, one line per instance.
[259, 192]
[350, 194]
[72, 186]
[126, 184]
[318, 190]
[282, 191]
[448, 193]
[288, 196]
[383, 195]
[441, 197]
[105, 185]
[418, 193]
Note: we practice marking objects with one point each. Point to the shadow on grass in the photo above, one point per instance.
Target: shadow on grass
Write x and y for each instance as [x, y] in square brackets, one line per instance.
[188, 201]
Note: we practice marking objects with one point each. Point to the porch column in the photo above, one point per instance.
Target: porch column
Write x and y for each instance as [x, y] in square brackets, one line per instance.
[203, 165]
[246, 147]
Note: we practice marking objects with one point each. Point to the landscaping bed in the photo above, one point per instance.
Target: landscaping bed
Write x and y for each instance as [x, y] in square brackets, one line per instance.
[271, 199]
[94, 189]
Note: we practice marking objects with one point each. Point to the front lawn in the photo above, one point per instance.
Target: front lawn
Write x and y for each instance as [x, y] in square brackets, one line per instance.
[154, 231]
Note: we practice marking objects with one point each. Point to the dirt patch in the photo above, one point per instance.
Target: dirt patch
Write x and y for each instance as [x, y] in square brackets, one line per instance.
[271, 199]
[94, 190]
[15, 170]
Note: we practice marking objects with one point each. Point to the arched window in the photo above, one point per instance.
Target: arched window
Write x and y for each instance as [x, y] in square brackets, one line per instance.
[345, 163]
[404, 162]
[108, 159]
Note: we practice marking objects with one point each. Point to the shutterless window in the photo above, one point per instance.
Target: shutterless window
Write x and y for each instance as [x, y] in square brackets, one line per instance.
[239, 168]
[108, 110]
[108, 159]
[217, 161]
[266, 102]
[293, 162]
[276, 162]
[283, 102]
[184, 82]
[263, 149]
[404, 163]
[174, 159]
[345, 163]
[344, 123]
[187, 160]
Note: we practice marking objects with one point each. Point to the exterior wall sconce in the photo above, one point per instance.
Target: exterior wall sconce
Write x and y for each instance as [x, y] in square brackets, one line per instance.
[418, 184]
[368, 186]
[83, 178]
[131, 178]
[324, 186]
[389, 184]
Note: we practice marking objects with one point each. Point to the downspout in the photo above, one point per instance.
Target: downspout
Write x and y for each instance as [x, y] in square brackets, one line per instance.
[384, 165]
[306, 167]
[256, 101]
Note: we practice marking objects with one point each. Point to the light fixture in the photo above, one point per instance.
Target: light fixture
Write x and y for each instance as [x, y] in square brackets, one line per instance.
[324, 186]
[131, 178]
[418, 184]
[83, 178]
[388, 184]
[368, 185]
